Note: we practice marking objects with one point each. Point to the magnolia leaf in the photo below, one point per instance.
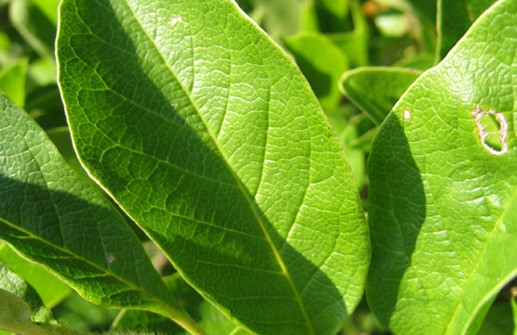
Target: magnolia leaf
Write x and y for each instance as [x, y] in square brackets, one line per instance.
[443, 187]
[52, 216]
[209, 137]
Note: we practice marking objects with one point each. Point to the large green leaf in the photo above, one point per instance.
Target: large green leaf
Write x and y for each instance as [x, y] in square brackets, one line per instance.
[209, 137]
[454, 19]
[443, 196]
[54, 217]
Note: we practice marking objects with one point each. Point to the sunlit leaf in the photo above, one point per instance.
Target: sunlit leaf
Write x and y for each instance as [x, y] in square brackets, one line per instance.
[443, 204]
[209, 137]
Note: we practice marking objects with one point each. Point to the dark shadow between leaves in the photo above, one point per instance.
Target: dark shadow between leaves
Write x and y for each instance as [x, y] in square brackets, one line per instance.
[397, 209]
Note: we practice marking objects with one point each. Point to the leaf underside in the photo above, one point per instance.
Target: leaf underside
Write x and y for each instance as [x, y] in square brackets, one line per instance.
[55, 218]
[207, 135]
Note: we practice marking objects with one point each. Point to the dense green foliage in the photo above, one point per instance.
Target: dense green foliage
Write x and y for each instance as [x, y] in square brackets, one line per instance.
[169, 166]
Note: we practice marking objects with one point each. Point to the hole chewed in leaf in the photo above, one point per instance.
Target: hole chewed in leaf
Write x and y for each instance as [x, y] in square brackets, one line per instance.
[493, 130]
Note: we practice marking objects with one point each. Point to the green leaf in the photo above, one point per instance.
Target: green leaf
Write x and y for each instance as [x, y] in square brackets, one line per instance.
[375, 90]
[499, 320]
[12, 81]
[35, 22]
[55, 218]
[354, 44]
[31, 306]
[279, 18]
[454, 19]
[322, 63]
[443, 202]
[208, 136]
[425, 8]
[49, 288]
[206, 315]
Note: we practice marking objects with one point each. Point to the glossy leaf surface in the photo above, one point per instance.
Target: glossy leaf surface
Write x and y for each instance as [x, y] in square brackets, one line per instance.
[54, 217]
[443, 204]
[209, 137]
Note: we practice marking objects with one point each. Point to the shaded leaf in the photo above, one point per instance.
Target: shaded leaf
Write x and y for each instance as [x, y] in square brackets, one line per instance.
[208, 136]
[12, 81]
[35, 24]
[454, 19]
[443, 205]
[27, 308]
[322, 63]
[49, 288]
[54, 217]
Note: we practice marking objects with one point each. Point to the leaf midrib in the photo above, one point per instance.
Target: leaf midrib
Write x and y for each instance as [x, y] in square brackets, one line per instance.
[239, 183]
[73, 255]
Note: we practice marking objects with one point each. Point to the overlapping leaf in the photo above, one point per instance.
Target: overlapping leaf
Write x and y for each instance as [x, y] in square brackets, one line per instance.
[443, 204]
[54, 217]
[208, 136]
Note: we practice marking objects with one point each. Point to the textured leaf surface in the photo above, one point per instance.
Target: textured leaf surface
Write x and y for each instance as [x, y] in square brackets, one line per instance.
[35, 309]
[49, 288]
[376, 89]
[54, 217]
[443, 204]
[208, 136]
[454, 19]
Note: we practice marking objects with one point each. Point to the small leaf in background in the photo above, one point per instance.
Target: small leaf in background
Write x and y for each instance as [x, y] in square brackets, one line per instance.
[322, 63]
[354, 43]
[325, 16]
[279, 18]
[12, 81]
[36, 22]
[425, 8]
[29, 309]
[209, 137]
[206, 315]
[49, 288]
[454, 19]
[375, 90]
[52, 216]
[442, 205]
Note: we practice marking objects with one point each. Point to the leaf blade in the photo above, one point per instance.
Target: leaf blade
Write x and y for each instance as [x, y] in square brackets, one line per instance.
[54, 217]
[219, 135]
[440, 217]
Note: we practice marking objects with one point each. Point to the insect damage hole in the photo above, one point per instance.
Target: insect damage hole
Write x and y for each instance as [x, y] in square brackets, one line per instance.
[493, 130]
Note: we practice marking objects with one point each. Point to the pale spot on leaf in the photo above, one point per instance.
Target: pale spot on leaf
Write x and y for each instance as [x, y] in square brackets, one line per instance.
[175, 20]
[406, 115]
